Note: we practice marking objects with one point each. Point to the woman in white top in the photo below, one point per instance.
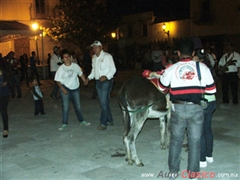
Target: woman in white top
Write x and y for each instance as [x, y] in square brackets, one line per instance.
[68, 82]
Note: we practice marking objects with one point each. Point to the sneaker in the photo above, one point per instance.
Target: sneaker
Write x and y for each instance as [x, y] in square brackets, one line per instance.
[203, 164]
[194, 179]
[101, 127]
[64, 126]
[109, 123]
[209, 159]
[85, 123]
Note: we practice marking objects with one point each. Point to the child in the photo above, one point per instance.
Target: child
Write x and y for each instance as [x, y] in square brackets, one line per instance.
[37, 96]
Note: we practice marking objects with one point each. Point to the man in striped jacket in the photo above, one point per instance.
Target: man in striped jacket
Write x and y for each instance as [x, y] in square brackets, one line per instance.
[186, 91]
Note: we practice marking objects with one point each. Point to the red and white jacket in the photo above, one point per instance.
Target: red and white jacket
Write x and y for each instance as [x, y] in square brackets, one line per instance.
[182, 81]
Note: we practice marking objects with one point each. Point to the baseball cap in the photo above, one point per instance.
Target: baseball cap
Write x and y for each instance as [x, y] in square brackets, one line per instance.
[96, 43]
[55, 48]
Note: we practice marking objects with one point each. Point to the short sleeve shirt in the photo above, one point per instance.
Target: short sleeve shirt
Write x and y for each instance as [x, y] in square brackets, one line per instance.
[68, 75]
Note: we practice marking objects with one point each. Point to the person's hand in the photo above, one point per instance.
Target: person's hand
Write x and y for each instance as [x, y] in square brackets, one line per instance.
[5, 83]
[64, 91]
[86, 82]
[103, 78]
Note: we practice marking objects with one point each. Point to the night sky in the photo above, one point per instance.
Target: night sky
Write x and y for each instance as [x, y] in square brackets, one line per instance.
[175, 9]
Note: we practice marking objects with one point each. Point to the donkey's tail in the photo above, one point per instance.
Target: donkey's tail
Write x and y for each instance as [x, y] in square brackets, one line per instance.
[126, 117]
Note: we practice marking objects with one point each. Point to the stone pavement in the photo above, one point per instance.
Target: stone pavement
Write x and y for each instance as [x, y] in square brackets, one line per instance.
[37, 150]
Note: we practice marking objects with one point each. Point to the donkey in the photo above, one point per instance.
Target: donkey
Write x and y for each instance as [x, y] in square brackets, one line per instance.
[139, 99]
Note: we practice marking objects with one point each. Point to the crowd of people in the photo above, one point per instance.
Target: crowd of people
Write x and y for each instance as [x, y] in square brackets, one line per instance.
[187, 91]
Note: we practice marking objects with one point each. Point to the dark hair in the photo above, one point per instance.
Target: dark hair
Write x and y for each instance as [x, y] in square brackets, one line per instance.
[185, 46]
[64, 51]
[31, 79]
[200, 53]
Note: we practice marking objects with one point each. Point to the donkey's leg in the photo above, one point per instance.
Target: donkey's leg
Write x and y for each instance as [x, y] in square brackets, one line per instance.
[162, 132]
[136, 128]
[127, 129]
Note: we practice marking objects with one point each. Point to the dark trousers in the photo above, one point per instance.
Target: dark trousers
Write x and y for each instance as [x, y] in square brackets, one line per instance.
[15, 81]
[3, 109]
[35, 73]
[39, 108]
[207, 135]
[55, 90]
[157, 66]
[230, 80]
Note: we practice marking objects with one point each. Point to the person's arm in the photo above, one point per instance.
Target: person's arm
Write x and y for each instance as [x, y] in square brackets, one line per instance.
[112, 68]
[61, 87]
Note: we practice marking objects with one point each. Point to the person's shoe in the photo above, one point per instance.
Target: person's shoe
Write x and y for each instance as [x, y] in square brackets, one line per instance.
[101, 127]
[35, 114]
[203, 164]
[54, 97]
[19, 96]
[5, 133]
[109, 123]
[209, 159]
[64, 126]
[194, 179]
[84, 123]
[43, 113]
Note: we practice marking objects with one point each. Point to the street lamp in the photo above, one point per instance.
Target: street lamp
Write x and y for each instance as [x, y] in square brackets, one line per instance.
[35, 27]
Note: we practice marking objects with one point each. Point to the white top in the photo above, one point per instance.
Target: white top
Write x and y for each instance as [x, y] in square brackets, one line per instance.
[157, 56]
[211, 60]
[225, 58]
[68, 75]
[38, 91]
[102, 65]
[53, 62]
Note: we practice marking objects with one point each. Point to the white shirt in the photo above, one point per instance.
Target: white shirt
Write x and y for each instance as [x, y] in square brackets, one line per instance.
[68, 75]
[102, 65]
[54, 62]
[211, 60]
[225, 58]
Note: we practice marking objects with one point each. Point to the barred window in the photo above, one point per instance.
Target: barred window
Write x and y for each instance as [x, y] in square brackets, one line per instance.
[40, 6]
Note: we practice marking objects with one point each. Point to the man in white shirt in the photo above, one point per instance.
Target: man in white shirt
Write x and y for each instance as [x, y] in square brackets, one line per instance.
[55, 62]
[103, 70]
[230, 75]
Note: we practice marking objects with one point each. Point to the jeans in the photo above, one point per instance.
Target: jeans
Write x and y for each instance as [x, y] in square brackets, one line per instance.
[74, 96]
[15, 80]
[3, 109]
[55, 88]
[39, 108]
[103, 91]
[207, 136]
[184, 116]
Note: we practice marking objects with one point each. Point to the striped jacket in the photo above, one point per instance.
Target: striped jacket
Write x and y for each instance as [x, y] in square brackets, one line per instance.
[182, 80]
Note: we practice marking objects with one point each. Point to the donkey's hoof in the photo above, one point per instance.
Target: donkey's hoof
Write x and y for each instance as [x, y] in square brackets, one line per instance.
[140, 164]
[130, 163]
[163, 147]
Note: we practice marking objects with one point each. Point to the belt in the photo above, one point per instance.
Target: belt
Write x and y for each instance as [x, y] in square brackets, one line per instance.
[182, 102]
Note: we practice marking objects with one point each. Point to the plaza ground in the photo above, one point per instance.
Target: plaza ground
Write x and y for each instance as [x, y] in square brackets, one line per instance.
[37, 150]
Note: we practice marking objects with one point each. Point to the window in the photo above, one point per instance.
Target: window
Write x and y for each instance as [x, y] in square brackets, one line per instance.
[40, 6]
[144, 30]
[130, 31]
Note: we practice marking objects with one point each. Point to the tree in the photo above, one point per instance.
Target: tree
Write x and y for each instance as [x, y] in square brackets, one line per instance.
[81, 22]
